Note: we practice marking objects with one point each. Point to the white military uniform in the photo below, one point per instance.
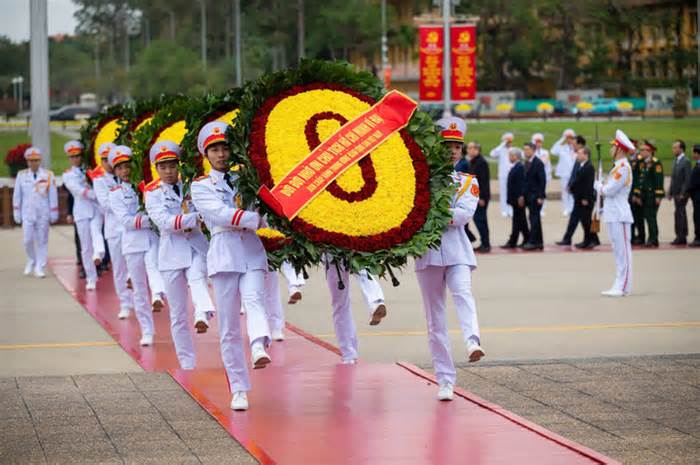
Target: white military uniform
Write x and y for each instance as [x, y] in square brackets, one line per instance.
[86, 215]
[451, 265]
[35, 206]
[182, 256]
[343, 323]
[237, 264]
[113, 229]
[500, 153]
[617, 216]
[136, 239]
[567, 159]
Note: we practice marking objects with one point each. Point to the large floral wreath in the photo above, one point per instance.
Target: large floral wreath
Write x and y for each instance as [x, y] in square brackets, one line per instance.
[100, 128]
[392, 205]
[168, 122]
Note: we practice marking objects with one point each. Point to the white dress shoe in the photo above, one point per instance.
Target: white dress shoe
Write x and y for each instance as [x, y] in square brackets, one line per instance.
[146, 340]
[350, 361]
[446, 391]
[239, 401]
[28, 268]
[278, 335]
[124, 313]
[613, 293]
[39, 274]
[474, 351]
[90, 286]
[259, 356]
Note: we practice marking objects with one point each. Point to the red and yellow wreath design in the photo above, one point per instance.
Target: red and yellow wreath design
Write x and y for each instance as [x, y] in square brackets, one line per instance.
[380, 202]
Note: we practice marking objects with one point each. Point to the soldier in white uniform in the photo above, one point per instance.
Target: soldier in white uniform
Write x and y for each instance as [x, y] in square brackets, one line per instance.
[34, 206]
[182, 253]
[85, 212]
[543, 154]
[237, 262]
[565, 150]
[337, 277]
[136, 237]
[102, 183]
[617, 214]
[500, 153]
[451, 266]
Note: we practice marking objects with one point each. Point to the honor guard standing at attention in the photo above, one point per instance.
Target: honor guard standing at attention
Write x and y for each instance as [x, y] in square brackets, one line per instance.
[565, 150]
[651, 190]
[237, 262]
[102, 183]
[85, 212]
[35, 206]
[182, 250]
[136, 237]
[451, 266]
[500, 153]
[617, 214]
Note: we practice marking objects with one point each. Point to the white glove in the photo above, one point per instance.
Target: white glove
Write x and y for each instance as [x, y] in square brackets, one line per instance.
[597, 186]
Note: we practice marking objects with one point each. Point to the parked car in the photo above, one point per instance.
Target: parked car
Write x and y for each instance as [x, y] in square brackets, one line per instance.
[72, 113]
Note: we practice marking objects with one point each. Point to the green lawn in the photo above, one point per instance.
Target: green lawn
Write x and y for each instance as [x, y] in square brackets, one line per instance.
[9, 139]
[662, 131]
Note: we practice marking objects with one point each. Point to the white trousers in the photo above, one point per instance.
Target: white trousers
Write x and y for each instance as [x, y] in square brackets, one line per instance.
[620, 239]
[84, 228]
[230, 289]
[371, 290]
[98, 240]
[120, 273]
[155, 280]
[273, 302]
[135, 264]
[567, 200]
[506, 209]
[432, 281]
[180, 329]
[36, 242]
[295, 281]
[343, 323]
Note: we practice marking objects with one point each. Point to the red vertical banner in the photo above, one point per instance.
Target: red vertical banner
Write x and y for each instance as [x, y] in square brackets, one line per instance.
[431, 43]
[463, 62]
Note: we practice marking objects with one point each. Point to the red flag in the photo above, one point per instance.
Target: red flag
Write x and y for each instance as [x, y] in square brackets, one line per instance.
[431, 45]
[463, 62]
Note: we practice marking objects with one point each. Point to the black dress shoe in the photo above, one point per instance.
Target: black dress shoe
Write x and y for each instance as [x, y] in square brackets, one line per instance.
[563, 243]
[483, 249]
[508, 245]
[637, 241]
[81, 273]
[695, 243]
[581, 245]
[678, 241]
[531, 246]
[651, 244]
[595, 243]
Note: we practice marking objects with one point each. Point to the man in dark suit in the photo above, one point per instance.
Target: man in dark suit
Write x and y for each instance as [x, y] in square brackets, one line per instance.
[680, 176]
[694, 194]
[535, 184]
[584, 197]
[479, 168]
[516, 199]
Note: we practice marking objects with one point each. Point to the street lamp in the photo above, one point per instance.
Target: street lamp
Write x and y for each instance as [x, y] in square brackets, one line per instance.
[17, 91]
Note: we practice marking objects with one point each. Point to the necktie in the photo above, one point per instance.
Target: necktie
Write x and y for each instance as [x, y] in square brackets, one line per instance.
[176, 188]
[35, 175]
[227, 178]
[116, 179]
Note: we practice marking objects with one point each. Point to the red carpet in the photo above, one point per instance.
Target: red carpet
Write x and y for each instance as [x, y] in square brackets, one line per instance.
[306, 408]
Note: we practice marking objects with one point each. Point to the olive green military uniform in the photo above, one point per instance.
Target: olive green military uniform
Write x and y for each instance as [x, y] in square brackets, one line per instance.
[638, 230]
[651, 186]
